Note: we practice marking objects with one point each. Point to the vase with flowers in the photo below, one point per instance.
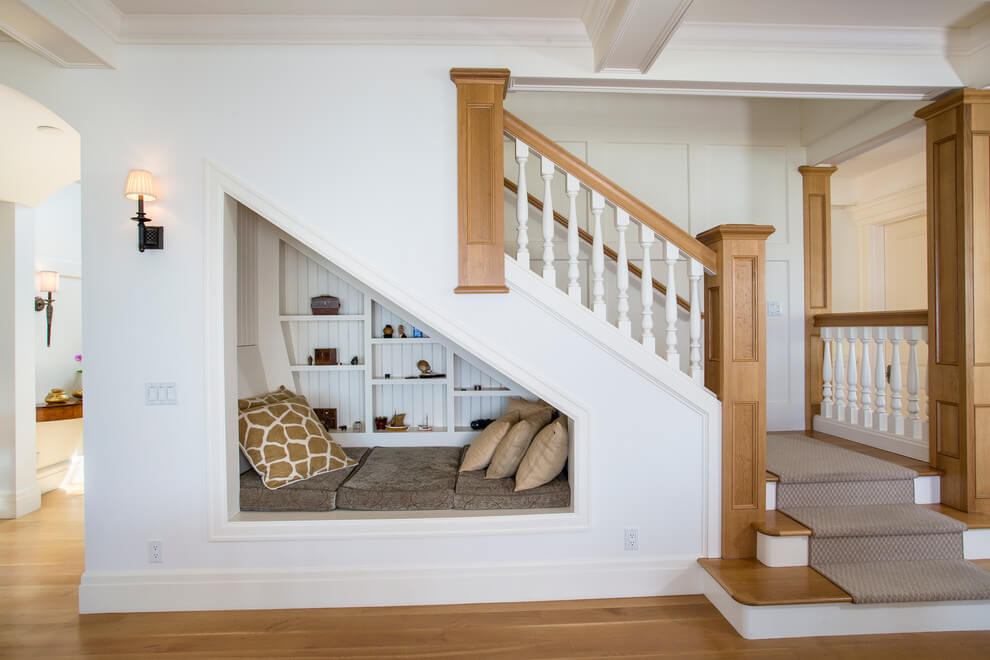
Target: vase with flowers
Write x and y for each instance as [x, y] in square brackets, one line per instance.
[78, 393]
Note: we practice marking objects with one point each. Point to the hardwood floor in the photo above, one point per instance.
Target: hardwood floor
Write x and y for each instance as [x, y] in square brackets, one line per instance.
[41, 559]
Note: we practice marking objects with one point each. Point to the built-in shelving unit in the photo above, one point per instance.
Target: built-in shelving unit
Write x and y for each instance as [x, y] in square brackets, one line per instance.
[361, 392]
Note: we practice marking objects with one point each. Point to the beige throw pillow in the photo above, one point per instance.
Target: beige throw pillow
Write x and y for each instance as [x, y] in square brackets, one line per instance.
[513, 446]
[480, 453]
[281, 394]
[286, 443]
[545, 457]
[527, 407]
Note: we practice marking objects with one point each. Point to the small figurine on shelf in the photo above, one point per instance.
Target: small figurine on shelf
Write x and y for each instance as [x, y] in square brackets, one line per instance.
[387, 332]
[380, 423]
[354, 360]
[358, 426]
[402, 331]
[417, 333]
[309, 360]
[426, 426]
[343, 427]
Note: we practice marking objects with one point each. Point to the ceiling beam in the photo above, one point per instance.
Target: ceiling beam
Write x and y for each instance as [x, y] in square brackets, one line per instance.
[628, 35]
[64, 32]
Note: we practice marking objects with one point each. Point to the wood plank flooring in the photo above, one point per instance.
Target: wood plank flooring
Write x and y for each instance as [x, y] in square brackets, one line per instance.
[41, 559]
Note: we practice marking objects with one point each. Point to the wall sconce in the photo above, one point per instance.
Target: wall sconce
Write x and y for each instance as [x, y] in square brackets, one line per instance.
[141, 187]
[48, 283]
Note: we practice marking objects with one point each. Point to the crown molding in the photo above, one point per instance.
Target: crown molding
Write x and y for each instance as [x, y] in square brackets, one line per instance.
[103, 13]
[594, 17]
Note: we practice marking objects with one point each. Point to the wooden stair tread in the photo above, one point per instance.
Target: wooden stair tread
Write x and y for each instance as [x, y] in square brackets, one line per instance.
[772, 477]
[972, 520]
[921, 467]
[751, 583]
[776, 523]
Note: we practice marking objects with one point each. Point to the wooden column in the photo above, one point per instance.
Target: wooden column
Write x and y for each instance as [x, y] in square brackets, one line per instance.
[736, 370]
[958, 156]
[480, 212]
[817, 278]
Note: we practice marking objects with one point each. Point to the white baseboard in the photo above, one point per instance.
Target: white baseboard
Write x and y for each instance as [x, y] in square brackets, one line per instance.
[21, 503]
[51, 477]
[186, 590]
[898, 444]
[815, 620]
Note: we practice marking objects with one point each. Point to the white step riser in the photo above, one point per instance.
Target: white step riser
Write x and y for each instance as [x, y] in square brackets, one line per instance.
[927, 490]
[778, 551]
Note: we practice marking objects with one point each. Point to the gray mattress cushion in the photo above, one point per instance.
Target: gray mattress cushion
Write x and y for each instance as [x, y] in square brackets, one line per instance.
[475, 492]
[402, 479]
[317, 493]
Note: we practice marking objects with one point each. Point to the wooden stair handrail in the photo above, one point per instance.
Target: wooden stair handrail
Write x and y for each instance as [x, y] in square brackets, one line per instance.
[905, 317]
[589, 239]
[614, 193]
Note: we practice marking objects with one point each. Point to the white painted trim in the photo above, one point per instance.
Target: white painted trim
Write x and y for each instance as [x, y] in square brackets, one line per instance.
[356, 586]
[223, 525]
[654, 369]
[20, 503]
[51, 476]
[827, 619]
[898, 444]
[782, 550]
[771, 496]
[894, 207]
[927, 490]
[976, 544]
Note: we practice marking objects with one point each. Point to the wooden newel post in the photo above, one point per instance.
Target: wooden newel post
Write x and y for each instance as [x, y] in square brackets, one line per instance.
[958, 155]
[736, 370]
[480, 212]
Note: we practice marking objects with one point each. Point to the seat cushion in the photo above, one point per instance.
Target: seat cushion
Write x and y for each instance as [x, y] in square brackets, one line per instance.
[318, 493]
[475, 492]
[402, 479]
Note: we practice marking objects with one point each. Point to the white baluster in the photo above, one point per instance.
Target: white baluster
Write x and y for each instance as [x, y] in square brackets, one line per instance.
[913, 382]
[896, 421]
[622, 273]
[880, 379]
[646, 238]
[670, 255]
[840, 377]
[694, 275]
[546, 171]
[852, 408]
[866, 381]
[522, 206]
[827, 402]
[597, 256]
[573, 186]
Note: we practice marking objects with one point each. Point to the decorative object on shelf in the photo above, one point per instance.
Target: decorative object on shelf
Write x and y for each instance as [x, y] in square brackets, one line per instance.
[141, 187]
[417, 333]
[354, 360]
[425, 426]
[78, 393]
[479, 424]
[327, 416]
[343, 428]
[402, 331]
[309, 360]
[358, 426]
[47, 283]
[325, 356]
[424, 367]
[380, 423]
[56, 397]
[477, 388]
[387, 332]
[397, 424]
[325, 305]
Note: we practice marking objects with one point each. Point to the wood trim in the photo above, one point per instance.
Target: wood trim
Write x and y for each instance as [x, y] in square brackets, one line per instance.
[589, 239]
[905, 317]
[736, 370]
[776, 523]
[480, 212]
[598, 182]
[751, 583]
[46, 413]
[817, 203]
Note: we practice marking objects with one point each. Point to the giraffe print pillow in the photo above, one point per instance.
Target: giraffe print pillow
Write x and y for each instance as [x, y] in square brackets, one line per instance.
[286, 443]
[281, 394]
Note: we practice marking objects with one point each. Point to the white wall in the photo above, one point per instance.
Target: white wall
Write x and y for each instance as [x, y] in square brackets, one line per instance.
[57, 232]
[701, 162]
[359, 144]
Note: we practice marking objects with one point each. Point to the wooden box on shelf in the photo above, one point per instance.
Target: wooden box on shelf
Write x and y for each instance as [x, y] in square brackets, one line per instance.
[328, 416]
[325, 305]
[324, 356]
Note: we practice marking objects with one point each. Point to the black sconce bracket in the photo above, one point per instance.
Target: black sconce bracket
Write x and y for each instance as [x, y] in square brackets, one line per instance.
[149, 238]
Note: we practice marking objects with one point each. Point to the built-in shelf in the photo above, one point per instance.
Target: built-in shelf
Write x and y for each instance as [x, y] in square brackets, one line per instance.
[328, 367]
[409, 381]
[479, 393]
[327, 317]
[436, 429]
[404, 340]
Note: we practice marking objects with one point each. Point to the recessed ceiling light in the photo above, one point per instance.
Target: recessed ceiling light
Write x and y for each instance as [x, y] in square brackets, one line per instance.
[49, 130]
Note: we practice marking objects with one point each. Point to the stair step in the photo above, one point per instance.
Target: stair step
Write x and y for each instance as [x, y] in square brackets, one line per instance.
[874, 520]
[970, 519]
[776, 523]
[751, 583]
[911, 581]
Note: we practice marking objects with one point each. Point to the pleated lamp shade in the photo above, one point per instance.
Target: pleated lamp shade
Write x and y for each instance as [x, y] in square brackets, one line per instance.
[48, 281]
[139, 184]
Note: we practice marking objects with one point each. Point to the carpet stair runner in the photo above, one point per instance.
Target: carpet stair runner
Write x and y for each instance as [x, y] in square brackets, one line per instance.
[868, 535]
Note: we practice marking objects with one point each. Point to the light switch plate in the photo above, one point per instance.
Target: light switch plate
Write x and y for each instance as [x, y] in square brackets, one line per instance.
[159, 394]
[773, 308]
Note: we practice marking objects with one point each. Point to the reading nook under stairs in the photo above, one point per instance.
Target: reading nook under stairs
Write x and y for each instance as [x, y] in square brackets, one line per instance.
[348, 405]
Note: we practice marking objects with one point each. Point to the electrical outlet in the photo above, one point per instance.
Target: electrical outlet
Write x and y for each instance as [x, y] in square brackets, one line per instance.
[154, 552]
[631, 537]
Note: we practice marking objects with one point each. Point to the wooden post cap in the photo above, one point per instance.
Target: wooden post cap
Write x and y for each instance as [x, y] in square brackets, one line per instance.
[736, 232]
[484, 76]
